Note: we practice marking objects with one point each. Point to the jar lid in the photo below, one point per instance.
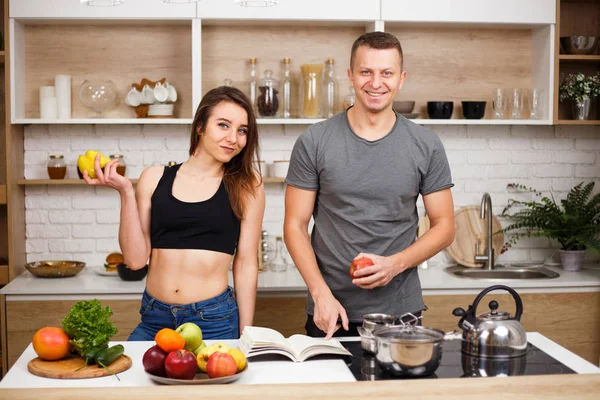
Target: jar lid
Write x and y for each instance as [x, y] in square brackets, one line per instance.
[116, 156]
[252, 60]
[330, 61]
[286, 60]
[268, 79]
[171, 163]
[57, 156]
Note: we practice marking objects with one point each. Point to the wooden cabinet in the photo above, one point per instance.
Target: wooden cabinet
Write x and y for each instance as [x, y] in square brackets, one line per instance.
[575, 18]
[151, 9]
[470, 11]
[314, 10]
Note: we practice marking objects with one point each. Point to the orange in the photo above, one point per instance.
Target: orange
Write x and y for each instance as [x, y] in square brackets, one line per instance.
[51, 343]
[169, 340]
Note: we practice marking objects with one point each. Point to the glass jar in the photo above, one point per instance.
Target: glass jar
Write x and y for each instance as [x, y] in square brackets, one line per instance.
[311, 90]
[350, 98]
[286, 88]
[252, 82]
[57, 169]
[122, 166]
[279, 263]
[171, 163]
[330, 90]
[267, 101]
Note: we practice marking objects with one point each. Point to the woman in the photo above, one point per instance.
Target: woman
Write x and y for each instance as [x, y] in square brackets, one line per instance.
[190, 219]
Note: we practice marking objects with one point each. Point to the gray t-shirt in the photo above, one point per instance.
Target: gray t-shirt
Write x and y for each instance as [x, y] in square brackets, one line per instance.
[366, 202]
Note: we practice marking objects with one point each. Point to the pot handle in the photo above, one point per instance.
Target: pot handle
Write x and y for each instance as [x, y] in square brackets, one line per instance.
[514, 294]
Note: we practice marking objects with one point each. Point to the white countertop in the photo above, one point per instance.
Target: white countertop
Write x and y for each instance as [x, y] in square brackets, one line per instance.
[259, 372]
[434, 281]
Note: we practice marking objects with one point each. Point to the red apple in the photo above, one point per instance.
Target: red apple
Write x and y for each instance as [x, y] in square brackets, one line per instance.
[181, 364]
[360, 263]
[154, 361]
[221, 364]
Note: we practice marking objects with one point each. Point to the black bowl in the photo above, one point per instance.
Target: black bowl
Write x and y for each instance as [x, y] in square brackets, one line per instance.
[473, 109]
[440, 109]
[128, 274]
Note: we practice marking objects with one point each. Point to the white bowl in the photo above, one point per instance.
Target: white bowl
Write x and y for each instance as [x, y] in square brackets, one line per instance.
[280, 168]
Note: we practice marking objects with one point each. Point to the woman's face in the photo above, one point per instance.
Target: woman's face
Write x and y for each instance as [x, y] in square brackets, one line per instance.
[226, 131]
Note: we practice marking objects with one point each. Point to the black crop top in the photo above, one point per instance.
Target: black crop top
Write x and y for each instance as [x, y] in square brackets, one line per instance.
[204, 225]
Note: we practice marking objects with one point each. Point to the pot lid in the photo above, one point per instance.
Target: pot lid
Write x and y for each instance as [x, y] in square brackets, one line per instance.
[494, 314]
[408, 333]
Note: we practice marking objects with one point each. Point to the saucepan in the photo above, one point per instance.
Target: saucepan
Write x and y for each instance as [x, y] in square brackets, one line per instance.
[369, 324]
[408, 349]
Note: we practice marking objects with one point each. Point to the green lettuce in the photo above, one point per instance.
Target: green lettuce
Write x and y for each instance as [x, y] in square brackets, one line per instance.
[88, 326]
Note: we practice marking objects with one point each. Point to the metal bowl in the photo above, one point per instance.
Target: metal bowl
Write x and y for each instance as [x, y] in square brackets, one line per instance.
[579, 44]
[55, 268]
[367, 341]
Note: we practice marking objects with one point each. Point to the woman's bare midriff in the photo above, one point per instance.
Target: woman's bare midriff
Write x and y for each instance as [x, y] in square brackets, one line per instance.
[187, 276]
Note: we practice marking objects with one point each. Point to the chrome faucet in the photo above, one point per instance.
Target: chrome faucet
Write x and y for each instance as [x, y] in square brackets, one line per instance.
[488, 257]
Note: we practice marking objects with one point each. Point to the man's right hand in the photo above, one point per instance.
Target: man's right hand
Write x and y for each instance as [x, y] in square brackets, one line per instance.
[326, 312]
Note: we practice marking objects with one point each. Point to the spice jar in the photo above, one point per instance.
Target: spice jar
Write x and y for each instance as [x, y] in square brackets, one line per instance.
[122, 166]
[57, 169]
[311, 90]
[267, 101]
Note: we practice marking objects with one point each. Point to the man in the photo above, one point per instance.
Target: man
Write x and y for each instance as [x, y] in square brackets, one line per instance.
[359, 175]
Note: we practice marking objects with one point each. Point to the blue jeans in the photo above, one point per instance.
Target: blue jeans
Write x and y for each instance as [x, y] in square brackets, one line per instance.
[217, 317]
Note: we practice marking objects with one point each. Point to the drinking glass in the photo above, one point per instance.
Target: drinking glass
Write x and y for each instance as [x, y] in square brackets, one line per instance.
[498, 102]
[535, 102]
[515, 102]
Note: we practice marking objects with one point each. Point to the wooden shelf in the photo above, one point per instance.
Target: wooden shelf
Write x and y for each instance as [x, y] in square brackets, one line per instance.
[2, 56]
[104, 121]
[82, 182]
[577, 122]
[2, 194]
[582, 58]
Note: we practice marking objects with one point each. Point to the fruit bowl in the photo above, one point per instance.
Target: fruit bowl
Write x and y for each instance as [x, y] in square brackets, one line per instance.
[55, 268]
[200, 379]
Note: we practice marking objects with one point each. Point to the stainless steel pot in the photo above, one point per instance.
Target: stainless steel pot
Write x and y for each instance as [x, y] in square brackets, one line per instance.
[409, 350]
[370, 323]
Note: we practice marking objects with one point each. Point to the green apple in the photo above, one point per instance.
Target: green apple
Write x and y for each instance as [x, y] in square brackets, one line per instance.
[192, 334]
[197, 349]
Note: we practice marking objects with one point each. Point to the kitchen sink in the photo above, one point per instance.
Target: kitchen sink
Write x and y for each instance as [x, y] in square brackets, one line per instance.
[503, 273]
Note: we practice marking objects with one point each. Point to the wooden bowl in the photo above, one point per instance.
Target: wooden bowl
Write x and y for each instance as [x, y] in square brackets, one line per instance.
[55, 268]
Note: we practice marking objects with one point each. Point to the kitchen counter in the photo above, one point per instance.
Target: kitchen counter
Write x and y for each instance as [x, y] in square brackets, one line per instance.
[316, 378]
[434, 281]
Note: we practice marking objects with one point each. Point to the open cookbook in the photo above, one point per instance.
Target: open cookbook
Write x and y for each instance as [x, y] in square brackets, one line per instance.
[258, 341]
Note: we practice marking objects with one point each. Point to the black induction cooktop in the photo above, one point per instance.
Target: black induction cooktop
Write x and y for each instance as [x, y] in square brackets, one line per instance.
[455, 364]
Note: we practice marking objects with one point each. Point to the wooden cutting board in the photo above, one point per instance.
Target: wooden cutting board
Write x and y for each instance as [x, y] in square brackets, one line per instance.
[471, 229]
[65, 368]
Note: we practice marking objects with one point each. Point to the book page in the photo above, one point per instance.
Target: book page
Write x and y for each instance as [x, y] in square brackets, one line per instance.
[306, 346]
[260, 337]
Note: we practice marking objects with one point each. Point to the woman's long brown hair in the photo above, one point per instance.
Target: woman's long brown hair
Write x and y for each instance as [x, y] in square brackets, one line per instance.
[240, 177]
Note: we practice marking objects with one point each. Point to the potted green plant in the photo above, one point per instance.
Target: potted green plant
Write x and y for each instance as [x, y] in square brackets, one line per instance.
[574, 222]
[581, 90]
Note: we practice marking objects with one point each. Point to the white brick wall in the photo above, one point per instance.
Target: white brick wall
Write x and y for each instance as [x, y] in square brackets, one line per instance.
[82, 222]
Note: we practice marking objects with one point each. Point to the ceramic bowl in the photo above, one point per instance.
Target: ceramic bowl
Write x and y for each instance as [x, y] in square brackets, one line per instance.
[403, 107]
[440, 109]
[473, 109]
[128, 274]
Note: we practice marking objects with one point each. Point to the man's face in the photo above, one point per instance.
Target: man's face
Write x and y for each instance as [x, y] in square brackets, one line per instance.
[376, 77]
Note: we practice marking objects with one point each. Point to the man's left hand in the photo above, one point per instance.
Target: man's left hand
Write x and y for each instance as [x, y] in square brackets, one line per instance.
[379, 274]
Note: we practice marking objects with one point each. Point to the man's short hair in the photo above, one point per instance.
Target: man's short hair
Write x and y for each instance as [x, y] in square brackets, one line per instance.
[379, 41]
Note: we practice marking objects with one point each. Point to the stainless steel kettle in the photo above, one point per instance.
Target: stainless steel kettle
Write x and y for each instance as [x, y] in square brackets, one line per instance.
[493, 334]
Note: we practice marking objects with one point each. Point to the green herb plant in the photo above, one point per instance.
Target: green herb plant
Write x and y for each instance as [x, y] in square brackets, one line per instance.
[574, 222]
[579, 87]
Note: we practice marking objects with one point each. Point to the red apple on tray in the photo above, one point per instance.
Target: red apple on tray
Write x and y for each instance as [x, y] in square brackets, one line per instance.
[221, 364]
[154, 361]
[360, 263]
[181, 364]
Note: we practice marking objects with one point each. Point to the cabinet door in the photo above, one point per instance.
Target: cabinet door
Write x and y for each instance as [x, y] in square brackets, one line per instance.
[470, 11]
[155, 9]
[342, 10]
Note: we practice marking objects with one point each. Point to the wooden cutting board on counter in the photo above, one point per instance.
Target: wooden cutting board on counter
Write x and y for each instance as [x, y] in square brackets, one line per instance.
[65, 368]
[471, 229]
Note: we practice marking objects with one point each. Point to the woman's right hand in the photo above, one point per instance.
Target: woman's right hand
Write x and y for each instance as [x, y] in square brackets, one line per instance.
[109, 177]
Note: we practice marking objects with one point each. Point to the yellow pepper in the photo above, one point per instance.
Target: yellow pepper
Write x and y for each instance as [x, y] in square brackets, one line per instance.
[85, 162]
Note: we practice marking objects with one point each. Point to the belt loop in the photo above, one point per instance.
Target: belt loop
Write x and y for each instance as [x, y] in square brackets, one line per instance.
[193, 306]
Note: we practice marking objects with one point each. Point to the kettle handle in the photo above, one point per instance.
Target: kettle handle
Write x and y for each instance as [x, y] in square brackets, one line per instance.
[514, 294]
